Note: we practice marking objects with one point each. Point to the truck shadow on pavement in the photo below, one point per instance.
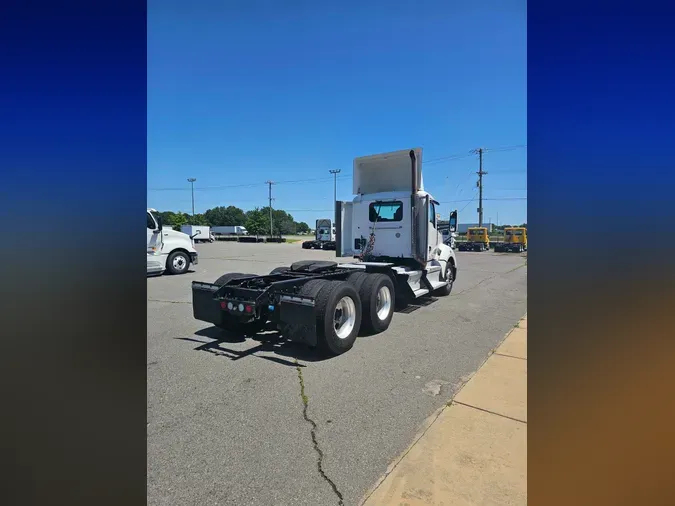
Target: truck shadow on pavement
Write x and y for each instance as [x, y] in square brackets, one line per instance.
[271, 340]
[268, 341]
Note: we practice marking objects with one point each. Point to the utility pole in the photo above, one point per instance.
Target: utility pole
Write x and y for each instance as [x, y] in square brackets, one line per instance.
[480, 173]
[335, 172]
[192, 180]
[270, 183]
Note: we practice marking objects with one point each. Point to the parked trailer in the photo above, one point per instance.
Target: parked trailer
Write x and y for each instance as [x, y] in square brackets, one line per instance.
[326, 304]
[198, 233]
[229, 230]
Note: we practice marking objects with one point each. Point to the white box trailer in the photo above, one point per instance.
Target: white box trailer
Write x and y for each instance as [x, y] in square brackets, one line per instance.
[198, 233]
[229, 230]
[390, 227]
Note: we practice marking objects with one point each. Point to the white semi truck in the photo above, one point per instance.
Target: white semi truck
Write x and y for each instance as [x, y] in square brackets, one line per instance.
[324, 236]
[168, 250]
[390, 228]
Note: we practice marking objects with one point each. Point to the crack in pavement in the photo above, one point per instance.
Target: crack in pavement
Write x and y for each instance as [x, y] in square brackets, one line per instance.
[319, 460]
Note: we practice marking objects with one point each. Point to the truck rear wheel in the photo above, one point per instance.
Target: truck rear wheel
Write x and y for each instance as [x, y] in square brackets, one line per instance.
[338, 317]
[178, 262]
[377, 302]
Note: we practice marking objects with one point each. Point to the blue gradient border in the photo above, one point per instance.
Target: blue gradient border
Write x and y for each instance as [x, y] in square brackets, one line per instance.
[601, 177]
[73, 158]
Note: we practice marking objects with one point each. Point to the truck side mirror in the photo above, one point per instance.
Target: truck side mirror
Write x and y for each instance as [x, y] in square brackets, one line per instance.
[452, 224]
[160, 224]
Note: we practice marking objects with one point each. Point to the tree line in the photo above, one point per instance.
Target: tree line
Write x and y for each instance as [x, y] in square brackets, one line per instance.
[256, 221]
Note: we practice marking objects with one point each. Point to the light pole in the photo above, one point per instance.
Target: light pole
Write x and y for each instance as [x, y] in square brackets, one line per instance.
[192, 180]
[335, 172]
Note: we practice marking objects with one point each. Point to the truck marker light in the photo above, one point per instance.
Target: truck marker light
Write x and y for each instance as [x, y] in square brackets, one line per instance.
[223, 305]
[230, 306]
[249, 309]
[241, 308]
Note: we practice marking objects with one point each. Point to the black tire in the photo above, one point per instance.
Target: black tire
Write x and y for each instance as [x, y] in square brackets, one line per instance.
[369, 294]
[449, 276]
[305, 245]
[178, 262]
[329, 296]
[277, 270]
[227, 277]
[357, 279]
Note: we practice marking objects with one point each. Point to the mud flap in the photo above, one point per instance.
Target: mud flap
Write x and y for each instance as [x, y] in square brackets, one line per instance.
[298, 319]
[204, 306]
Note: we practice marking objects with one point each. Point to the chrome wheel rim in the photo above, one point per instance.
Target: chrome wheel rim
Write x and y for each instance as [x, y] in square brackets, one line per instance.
[179, 262]
[344, 317]
[383, 304]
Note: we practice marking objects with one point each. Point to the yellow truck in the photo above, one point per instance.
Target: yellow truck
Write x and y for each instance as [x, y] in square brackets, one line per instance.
[477, 240]
[515, 240]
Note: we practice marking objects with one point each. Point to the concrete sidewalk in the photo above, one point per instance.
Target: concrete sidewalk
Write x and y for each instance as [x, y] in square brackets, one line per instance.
[475, 451]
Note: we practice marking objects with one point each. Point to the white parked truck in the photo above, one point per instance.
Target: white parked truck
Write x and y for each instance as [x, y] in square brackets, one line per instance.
[168, 250]
[198, 233]
[324, 236]
[390, 228]
[229, 230]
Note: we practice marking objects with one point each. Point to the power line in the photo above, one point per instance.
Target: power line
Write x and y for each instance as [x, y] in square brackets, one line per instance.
[345, 177]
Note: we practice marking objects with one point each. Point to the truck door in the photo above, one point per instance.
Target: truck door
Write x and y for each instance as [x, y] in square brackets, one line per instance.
[154, 234]
[432, 227]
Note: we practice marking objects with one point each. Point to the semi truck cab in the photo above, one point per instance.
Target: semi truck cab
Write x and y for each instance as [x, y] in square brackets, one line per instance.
[167, 250]
[515, 240]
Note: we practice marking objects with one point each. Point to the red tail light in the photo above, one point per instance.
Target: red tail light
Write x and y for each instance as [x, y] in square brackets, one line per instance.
[223, 304]
[249, 309]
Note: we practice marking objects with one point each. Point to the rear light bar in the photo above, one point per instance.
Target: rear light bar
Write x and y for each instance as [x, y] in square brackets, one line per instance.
[236, 307]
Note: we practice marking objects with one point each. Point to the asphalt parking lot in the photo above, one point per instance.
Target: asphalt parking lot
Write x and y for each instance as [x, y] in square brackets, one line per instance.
[226, 423]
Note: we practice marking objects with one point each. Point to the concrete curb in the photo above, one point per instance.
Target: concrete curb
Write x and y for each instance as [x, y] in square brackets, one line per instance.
[429, 422]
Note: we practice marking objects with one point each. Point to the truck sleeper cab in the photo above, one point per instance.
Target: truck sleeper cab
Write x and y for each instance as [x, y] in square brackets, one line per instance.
[390, 228]
[515, 240]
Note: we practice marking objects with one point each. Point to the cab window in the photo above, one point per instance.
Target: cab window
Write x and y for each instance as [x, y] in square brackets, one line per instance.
[385, 211]
[432, 213]
[151, 222]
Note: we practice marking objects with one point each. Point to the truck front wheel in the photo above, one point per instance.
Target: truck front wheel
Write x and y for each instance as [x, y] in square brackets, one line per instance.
[450, 279]
[178, 262]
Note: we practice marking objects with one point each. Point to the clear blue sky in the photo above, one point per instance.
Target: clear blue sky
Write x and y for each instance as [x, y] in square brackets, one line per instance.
[240, 92]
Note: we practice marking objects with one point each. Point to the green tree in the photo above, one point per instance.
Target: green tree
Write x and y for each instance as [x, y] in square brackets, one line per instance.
[257, 222]
[302, 228]
[225, 216]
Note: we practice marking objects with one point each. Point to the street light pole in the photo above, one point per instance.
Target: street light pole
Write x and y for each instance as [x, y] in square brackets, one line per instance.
[192, 180]
[335, 172]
